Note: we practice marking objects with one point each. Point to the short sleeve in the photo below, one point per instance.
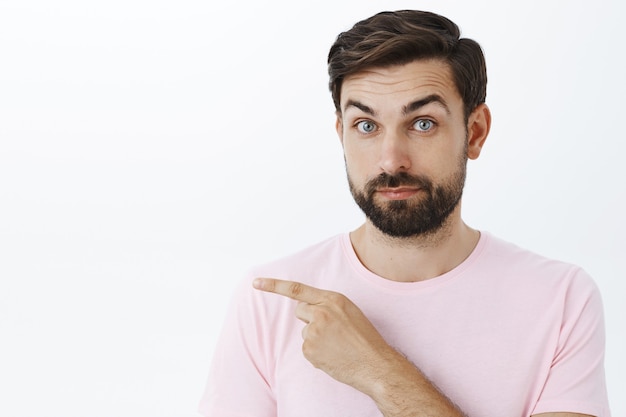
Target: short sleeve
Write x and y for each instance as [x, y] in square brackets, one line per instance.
[576, 380]
[238, 384]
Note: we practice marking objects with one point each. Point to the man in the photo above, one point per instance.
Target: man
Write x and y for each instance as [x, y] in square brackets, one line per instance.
[414, 313]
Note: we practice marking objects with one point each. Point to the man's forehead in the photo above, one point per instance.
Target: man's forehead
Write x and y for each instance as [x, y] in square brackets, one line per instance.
[406, 83]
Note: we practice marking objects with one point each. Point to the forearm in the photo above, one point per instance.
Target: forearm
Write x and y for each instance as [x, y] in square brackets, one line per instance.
[402, 390]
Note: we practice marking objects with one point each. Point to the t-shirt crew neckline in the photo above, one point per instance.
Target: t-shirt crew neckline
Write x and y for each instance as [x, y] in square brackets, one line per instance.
[405, 287]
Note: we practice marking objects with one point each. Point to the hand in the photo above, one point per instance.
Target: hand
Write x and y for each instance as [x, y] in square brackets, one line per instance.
[338, 338]
[342, 342]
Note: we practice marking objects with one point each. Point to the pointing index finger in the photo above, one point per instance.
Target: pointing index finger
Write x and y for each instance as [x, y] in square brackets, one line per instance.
[292, 289]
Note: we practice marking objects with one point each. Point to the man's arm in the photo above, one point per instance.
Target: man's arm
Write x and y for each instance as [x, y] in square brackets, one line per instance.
[342, 342]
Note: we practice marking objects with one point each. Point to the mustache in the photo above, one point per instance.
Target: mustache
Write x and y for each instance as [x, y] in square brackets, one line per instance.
[385, 180]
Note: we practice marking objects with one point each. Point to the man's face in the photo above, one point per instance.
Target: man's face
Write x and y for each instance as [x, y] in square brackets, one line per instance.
[405, 143]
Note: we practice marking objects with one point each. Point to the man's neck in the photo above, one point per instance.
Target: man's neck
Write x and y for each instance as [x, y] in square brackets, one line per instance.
[414, 259]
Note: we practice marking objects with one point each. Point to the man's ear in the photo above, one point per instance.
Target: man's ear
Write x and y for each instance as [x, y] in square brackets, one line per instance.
[339, 128]
[478, 125]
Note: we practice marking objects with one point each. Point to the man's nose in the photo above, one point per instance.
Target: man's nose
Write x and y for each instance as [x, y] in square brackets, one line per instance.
[394, 153]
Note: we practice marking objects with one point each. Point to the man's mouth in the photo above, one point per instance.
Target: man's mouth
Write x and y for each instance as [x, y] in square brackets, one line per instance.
[398, 193]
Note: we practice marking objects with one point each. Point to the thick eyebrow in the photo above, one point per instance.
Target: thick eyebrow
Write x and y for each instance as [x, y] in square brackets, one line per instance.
[409, 108]
[417, 104]
[360, 106]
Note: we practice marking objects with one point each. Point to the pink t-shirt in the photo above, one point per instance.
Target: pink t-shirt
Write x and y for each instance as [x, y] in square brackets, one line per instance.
[507, 333]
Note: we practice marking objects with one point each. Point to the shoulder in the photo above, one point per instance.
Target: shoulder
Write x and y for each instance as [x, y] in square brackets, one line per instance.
[507, 256]
[307, 265]
[525, 268]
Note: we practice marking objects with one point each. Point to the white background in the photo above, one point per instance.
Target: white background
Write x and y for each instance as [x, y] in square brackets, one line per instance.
[151, 151]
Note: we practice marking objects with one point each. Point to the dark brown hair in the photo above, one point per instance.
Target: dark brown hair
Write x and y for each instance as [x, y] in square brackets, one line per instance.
[400, 37]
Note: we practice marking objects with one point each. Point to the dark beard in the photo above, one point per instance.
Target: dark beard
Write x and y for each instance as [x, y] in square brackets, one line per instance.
[403, 218]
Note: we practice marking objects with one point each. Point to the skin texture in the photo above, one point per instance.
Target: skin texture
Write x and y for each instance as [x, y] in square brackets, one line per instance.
[390, 123]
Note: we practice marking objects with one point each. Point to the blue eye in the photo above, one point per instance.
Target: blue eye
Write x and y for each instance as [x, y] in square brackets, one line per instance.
[366, 126]
[424, 125]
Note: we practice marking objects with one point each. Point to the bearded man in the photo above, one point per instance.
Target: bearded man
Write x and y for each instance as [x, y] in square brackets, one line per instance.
[414, 313]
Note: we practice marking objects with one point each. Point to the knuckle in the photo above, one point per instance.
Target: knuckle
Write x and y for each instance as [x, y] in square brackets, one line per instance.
[308, 351]
[295, 289]
[337, 299]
